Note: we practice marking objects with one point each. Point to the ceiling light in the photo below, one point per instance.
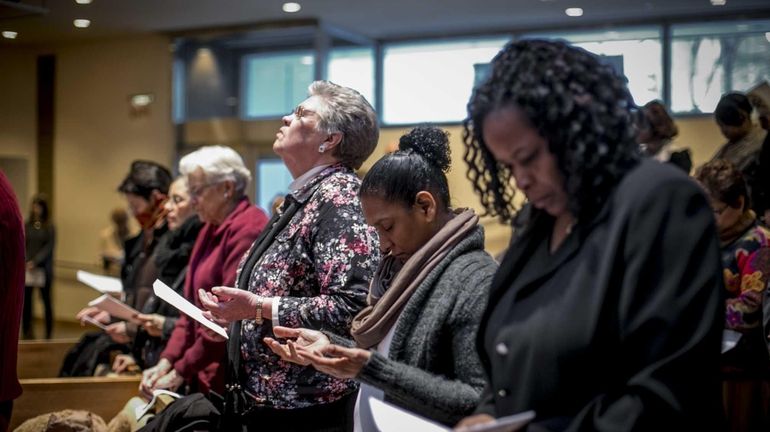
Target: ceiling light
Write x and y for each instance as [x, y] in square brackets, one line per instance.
[574, 12]
[291, 7]
[81, 23]
[718, 2]
[83, 1]
[10, 34]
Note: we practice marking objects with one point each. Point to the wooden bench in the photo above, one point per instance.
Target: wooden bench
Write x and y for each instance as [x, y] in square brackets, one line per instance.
[104, 396]
[42, 358]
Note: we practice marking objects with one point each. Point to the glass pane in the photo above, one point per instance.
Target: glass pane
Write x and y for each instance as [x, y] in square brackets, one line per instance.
[275, 83]
[177, 91]
[432, 82]
[354, 68]
[633, 52]
[273, 179]
[711, 59]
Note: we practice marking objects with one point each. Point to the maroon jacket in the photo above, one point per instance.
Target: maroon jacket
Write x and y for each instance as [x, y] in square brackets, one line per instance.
[11, 288]
[214, 261]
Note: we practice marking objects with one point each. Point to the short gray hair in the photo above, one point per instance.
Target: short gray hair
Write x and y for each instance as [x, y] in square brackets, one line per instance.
[344, 110]
[219, 163]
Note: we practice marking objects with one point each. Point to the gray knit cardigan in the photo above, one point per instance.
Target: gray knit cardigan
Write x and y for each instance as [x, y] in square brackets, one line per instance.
[432, 368]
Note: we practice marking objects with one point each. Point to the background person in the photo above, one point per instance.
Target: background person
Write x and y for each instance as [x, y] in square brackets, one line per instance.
[746, 268]
[655, 133]
[40, 238]
[605, 313]
[217, 181]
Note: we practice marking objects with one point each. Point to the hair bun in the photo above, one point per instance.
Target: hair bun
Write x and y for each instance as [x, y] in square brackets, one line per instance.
[430, 142]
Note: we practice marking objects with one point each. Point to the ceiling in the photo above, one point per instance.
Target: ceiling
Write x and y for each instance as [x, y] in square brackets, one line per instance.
[376, 19]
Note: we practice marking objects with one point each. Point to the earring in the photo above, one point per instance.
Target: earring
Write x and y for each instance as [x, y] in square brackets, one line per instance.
[227, 195]
[322, 148]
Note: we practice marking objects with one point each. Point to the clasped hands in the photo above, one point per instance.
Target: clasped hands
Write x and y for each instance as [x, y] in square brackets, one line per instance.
[311, 347]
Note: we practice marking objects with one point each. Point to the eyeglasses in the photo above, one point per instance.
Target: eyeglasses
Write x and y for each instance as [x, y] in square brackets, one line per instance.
[719, 211]
[196, 192]
[301, 111]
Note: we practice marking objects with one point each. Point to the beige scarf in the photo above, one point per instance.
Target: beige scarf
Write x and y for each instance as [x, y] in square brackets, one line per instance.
[372, 324]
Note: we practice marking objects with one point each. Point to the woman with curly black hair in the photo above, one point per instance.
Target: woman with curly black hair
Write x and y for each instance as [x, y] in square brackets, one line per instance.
[605, 313]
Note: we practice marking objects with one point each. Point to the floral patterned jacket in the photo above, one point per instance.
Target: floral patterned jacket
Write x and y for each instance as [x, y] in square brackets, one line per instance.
[320, 266]
[746, 263]
[746, 268]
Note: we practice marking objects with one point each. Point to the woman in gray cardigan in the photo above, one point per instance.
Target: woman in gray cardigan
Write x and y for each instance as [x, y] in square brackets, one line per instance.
[414, 344]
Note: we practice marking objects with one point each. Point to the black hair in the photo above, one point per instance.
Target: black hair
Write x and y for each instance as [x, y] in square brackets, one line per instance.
[45, 214]
[579, 105]
[145, 177]
[733, 109]
[420, 164]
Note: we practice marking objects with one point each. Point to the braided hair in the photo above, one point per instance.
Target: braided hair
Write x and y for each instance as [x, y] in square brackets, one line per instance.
[420, 164]
[579, 105]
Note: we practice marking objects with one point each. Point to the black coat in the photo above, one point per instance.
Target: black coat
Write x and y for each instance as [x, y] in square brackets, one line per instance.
[620, 328]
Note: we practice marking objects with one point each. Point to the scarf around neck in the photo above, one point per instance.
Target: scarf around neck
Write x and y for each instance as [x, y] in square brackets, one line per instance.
[393, 284]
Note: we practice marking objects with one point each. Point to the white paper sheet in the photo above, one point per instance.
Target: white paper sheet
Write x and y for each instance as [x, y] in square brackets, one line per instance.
[142, 409]
[389, 418]
[90, 320]
[103, 284]
[729, 339]
[115, 307]
[169, 295]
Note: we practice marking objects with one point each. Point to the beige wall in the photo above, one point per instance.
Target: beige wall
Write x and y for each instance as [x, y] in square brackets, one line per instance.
[701, 135]
[95, 138]
[18, 111]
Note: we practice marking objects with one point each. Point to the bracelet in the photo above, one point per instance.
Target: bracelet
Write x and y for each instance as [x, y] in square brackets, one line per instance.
[258, 317]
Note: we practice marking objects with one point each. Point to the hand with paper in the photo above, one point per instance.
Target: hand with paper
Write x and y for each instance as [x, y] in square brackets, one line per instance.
[93, 314]
[165, 292]
[229, 304]
[115, 308]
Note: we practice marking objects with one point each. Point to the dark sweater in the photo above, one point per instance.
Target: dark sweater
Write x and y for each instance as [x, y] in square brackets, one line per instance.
[432, 367]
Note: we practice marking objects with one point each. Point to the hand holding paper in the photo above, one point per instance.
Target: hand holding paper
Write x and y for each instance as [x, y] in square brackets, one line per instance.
[171, 297]
[115, 308]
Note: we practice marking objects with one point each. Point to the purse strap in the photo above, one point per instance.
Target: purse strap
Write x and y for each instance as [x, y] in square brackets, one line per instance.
[234, 398]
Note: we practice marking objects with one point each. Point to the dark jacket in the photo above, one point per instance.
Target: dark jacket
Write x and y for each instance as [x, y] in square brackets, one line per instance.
[171, 257]
[620, 329]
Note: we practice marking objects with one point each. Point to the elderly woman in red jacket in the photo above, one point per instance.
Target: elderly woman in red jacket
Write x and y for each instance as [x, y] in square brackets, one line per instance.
[217, 180]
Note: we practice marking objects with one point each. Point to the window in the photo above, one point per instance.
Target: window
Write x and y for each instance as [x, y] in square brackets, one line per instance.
[273, 179]
[432, 82]
[177, 91]
[275, 83]
[354, 68]
[633, 52]
[709, 60]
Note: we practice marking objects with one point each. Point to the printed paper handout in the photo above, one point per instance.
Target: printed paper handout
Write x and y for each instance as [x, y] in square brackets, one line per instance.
[171, 297]
[115, 307]
[103, 284]
[393, 419]
[141, 410]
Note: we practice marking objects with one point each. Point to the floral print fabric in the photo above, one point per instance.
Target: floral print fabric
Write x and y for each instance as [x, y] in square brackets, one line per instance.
[320, 266]
[746, 267]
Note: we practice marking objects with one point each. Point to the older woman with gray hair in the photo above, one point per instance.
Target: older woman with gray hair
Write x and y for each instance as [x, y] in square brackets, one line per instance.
[311, 269]
[217, 179]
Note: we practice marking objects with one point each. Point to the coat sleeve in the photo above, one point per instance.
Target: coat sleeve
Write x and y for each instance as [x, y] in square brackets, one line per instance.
[669, 316]
[434, 395]
[345, 253]
[205, 350]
